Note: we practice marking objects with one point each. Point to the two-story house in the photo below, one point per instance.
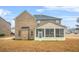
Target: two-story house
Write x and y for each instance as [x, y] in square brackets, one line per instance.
[49, 28]
[38, 27]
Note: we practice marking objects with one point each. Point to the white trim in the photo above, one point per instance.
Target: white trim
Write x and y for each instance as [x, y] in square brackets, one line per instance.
[44, 32]
[54, 33]
[35, 34]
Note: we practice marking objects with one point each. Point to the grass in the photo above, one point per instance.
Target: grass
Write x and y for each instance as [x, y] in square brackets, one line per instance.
[71, 45]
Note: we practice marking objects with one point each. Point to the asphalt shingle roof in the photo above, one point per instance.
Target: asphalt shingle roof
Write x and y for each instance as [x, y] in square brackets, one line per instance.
[45, 17]
[4, 20]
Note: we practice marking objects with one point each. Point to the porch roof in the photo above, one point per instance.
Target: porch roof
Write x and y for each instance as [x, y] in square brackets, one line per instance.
[52, 23]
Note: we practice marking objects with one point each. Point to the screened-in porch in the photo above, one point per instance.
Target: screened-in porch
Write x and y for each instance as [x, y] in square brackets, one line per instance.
[50, 33]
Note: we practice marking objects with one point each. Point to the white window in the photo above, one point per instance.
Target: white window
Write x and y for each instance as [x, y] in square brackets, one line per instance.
[57, 21]
[49, 32]
[38, 22]
[59, 32]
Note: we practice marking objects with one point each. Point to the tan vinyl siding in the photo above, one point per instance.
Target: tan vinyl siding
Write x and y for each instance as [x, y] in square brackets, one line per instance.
[52, 21]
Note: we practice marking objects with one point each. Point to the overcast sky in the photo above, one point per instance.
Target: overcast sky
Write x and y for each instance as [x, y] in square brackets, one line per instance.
[68, 14]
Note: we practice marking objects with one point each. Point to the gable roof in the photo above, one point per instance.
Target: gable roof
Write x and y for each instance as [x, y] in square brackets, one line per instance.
[53, 23]
[4, 20]
[45, 17]
[60, 25]
[23, 13]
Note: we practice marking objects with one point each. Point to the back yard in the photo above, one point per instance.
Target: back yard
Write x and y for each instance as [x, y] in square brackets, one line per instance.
[38, 46]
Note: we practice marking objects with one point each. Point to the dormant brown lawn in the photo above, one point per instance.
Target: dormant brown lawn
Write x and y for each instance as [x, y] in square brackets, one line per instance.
[43, 46]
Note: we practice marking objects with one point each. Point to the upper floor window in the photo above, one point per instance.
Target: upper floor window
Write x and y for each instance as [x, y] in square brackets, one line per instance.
[57, 21]
[38, 22]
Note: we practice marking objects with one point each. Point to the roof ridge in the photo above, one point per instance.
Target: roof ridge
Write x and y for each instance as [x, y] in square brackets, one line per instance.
[39, 16]
[24, 12]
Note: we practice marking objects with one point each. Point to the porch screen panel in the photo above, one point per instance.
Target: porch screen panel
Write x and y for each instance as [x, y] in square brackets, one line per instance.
[59, 32]
[49, 32]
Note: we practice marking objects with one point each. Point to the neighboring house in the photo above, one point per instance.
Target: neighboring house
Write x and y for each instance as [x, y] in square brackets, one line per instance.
[38, 27]
[5, 27]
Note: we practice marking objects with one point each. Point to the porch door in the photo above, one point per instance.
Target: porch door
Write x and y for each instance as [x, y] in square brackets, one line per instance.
[40, 34]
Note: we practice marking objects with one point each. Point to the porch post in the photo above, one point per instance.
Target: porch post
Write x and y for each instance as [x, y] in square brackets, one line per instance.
[35, 34]
[44, 32]
[54, 32]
